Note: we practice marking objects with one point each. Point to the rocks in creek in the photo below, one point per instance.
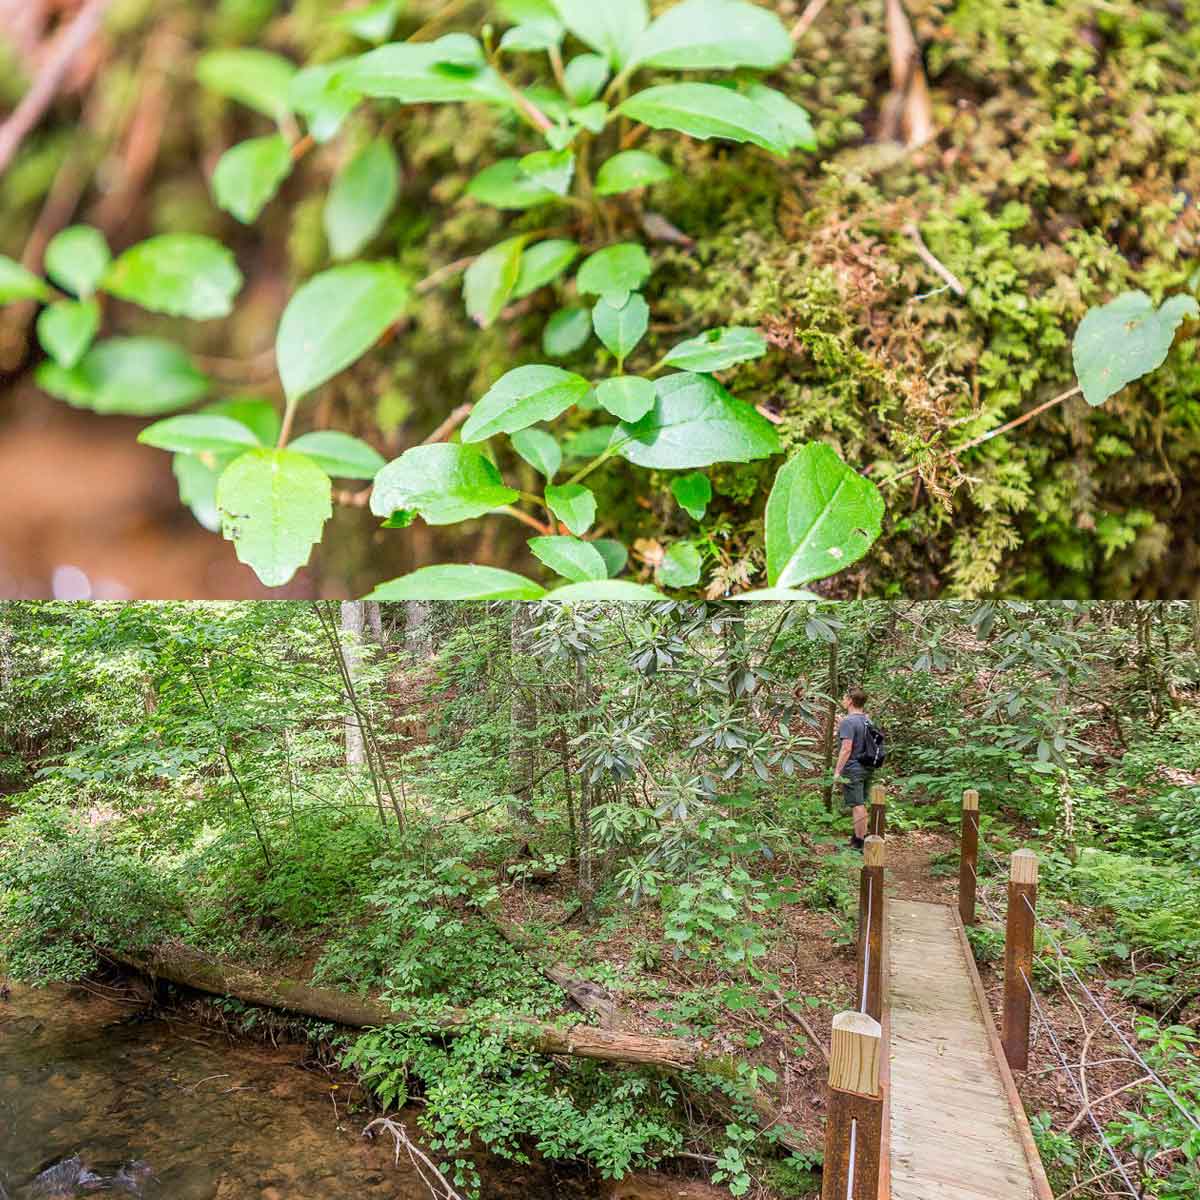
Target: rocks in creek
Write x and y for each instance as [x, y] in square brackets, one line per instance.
[71, 1178]
[133, 1177]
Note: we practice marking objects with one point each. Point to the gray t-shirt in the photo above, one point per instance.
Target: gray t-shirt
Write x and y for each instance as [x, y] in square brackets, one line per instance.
[854, 727]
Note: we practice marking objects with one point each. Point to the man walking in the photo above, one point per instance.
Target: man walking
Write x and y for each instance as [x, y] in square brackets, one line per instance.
[861, 752]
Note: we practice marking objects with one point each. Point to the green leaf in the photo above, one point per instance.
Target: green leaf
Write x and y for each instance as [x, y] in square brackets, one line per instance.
[321, 96]
[363, 193]
[793, 120]
[551, 169]
[533, 36]
[256, 78]
[543, 263]
[197, 481]
[273, 506]
[566, 332]
[459, 582]
[621, 329]
[443, 483]
[706, 110]
[524, 397]
[588, 443]
[614, 272]
[180, 274]
[718, 349]
[332, 320]
[610, 27]
[586, 75]
[680, 566]
[198, 433]
[16, 283]
[592, 117]
[491, 279]
[614, 554]
[627, 396]
[371, 22]
[77, 258]
[571, 558]
[617, 591]
[780, 593]
[714, 35]
[340, 455]
[506, 185]
[695, 422]
[540, 450]
[821, 517]
[66, 329]
[249, 174]
[140, 377]
[628, 170]
[448, 70]
[1124, 340]
[258, 415]
[574, 505]
[694, 494]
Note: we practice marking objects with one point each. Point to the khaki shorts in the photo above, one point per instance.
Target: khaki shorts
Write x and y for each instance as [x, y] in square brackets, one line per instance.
[855, 788]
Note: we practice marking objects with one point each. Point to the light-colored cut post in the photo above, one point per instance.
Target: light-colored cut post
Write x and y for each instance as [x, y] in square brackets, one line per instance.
[968, 858]
[854, 1121]
[878, 813]
[870, 928]
[1018, 958]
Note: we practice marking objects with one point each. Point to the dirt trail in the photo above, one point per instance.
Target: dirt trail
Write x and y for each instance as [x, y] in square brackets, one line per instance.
[908, 872]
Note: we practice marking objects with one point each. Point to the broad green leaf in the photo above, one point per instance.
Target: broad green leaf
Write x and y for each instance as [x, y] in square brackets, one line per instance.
[256, 78]
[139, 377]
[539, 449]
[1124, 340]
[551, 169]
[332, 320]
[521, 398]
[197, 480]
[459, 582]
[566, 332]
[718, 349]
[586, 75]
[621, 329]
[695, 422]
[249, 174]
[260, 416]
[680, 566]
[16, 283]
[720, 35]
[505, 184]
[706, 110]
[491, 279]
[614, 272]
[66, 329]
[617, 591]
[519, 11]
[340, 455]
[627, 396]
[77, 258]
[371, 22]
[693, 492]
[628, 170]
[533, 36]
[198, 433]
[793, 120]
[821, 517]
[273, 506]
[543, 263]
[592, 117]
[322, 98]
[614, 554]
[180, 274]
[361, 197]
[588, 443]
[571, 558]
[610, 27]
[448, 70]
[443, 483]
[574, 505]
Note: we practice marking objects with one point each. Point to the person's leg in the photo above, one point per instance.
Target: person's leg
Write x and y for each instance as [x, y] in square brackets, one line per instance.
[860, 821]
[854, 799]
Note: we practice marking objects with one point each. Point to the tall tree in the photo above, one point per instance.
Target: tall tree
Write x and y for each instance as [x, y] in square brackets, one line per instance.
[353, 615]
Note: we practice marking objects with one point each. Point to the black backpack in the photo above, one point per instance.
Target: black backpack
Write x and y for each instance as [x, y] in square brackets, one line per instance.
[873, 756]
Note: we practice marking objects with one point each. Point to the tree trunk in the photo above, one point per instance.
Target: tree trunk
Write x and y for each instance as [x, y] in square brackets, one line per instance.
[831, 720]
[585, 797]
[418, 636]
[522, 750]
[352, 632]
[375, 622]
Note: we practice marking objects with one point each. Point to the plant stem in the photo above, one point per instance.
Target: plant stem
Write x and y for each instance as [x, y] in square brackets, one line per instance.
[526, 519]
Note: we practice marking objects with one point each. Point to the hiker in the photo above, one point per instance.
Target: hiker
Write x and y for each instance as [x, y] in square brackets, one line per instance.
[861, 753]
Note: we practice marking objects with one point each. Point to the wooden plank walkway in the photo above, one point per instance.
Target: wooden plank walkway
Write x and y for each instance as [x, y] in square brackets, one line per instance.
[956, 1128]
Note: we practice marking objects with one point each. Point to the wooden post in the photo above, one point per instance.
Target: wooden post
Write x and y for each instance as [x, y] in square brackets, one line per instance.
[870, 928]
[878, 812]
[1018, 958]
[968, 856]
[854, 1121]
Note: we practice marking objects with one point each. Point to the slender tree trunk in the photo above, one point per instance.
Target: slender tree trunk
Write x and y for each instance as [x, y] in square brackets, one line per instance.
[418, 636]
[522, 750]
[1195, 626]
[831, 719]
[352, 633]
[375, 622]
[585, 795]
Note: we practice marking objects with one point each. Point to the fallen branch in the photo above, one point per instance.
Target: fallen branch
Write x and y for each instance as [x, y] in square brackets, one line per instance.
[1081, 1115]
[799, 1018]
[439, 1186]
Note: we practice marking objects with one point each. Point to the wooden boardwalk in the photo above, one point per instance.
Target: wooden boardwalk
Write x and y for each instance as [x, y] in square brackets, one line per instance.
[956, 1129]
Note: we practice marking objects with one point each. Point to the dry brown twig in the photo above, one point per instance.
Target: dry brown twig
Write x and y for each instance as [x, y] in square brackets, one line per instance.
[439, 1187]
